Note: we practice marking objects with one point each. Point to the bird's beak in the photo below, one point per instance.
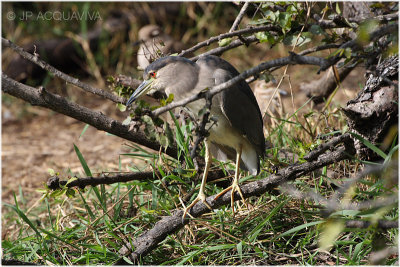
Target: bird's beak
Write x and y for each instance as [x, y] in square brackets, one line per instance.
[144, 87]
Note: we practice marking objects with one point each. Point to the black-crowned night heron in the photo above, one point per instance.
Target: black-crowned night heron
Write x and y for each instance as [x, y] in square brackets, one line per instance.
[238, 132]
[154, 44]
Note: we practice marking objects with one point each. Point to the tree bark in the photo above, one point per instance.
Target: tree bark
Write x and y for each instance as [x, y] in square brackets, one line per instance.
[374, 112]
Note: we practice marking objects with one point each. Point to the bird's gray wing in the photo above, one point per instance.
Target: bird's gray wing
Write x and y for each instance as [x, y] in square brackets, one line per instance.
[239, 104]
[240, 107]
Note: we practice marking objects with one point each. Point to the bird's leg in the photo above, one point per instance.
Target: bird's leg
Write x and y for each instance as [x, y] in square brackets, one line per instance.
[235, 184]
[201, 196]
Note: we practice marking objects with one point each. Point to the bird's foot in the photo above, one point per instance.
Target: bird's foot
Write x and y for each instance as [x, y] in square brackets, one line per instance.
[234, 187]
[201, 197]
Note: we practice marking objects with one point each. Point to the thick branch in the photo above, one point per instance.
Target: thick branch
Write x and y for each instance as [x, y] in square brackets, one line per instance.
[170, 224]
[62, 75]
[43, 98]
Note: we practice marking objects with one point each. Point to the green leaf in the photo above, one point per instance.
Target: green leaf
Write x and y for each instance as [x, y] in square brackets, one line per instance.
[338, 9]
[225, 42]
[267, 76]
[270, 15]
[121, 107]
[265, 37]
[370, 145]
[365, 30]
[169, 134]
[298, 228]
[22, 214]
[70, 193]
[51, 172]
[71, 180]
[83, 162]
[347, 52]
[84, 130]
[285, 21]
[316, 30]
[57, 193]
[291, 9]
[127, 120]
[239, 248]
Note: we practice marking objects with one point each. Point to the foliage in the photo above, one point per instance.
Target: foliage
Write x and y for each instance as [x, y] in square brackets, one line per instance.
[88, 226]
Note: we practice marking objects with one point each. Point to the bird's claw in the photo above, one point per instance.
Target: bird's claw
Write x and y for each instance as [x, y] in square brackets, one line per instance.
[201, 197]
[234, 187]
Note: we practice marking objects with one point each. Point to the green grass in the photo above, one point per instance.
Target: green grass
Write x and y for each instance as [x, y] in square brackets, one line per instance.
[89, 226]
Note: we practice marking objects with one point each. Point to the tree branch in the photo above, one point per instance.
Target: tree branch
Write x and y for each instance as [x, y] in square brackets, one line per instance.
[292, 59]
[43, 98]
[220, 50]
[382, 224]
[239, 16]
[313, 155]
[62, 75]
[229, 34]
[54, 182]
[170, 224]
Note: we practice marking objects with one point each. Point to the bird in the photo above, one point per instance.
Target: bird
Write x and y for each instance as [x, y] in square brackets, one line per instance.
[238, 132]
[154, 43]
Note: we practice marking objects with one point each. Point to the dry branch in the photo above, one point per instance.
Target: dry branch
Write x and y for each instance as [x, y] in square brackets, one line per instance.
[337, 22]
[239, 16]
[313, 155]
[220, 50]
[170, 224]
[228, 35]
[35, 59]
[43, 98]
[54, 182]
[382, 224]
[292, 59]
[320, 90]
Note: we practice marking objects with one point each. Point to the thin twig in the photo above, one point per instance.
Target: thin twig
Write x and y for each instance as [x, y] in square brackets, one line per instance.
[220, 50]
[325, 24]
[229, 34]
[239, 17]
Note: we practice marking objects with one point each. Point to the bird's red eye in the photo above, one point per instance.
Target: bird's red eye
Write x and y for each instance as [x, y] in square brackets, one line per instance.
[153, 74]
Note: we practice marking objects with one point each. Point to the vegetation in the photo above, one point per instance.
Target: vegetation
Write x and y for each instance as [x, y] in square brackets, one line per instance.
[337, 214]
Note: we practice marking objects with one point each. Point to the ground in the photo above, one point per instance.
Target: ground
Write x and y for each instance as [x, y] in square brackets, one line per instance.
[41, 140]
